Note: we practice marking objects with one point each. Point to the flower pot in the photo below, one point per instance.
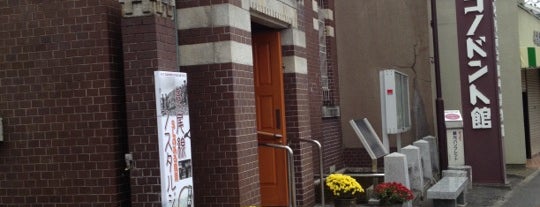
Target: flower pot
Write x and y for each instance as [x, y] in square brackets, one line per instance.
[391, 205]
[345, 202]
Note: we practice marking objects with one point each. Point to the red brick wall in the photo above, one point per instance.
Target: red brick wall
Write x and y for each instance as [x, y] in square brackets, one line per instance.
[331, 129]
[149, 44]
[222, 112]
[325, 130]
[62, 101]
[297, 113]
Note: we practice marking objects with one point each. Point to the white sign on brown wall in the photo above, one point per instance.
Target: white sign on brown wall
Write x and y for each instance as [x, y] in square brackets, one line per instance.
[174, 139]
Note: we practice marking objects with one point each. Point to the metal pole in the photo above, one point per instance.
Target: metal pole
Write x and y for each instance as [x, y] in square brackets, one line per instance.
[439, 102]
[374, 170]
[290, 170]
[321, 166]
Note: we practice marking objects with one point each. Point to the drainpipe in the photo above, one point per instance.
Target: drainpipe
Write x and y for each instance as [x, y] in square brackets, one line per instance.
[439, 102]
[175, 20]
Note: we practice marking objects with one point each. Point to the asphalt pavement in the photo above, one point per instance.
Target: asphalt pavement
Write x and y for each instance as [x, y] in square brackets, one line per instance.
[521, 190]
[526, 193]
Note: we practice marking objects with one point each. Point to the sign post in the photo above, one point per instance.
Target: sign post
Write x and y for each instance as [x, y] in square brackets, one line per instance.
[480, 90]
[174, 139]
[454, 137]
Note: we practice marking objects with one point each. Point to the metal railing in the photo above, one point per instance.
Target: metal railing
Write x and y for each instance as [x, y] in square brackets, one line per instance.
[321, 170]
[290, 170]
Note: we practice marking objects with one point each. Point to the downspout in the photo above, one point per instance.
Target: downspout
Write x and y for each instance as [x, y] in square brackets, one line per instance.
[439, 102]
[175, 20]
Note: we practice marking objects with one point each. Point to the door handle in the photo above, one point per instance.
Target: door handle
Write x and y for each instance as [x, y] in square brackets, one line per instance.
[277, 136]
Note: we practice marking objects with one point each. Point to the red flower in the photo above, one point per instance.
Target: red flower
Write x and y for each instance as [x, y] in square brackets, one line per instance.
[393, 192]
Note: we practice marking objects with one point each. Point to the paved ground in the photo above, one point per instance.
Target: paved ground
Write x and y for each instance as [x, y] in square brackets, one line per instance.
[527, 193]
[522, 190]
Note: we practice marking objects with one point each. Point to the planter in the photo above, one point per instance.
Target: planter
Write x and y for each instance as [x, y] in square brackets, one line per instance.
[345, 202]
[392, 205]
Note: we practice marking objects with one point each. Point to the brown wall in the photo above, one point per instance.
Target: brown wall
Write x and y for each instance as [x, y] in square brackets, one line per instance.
[382, 34]
[61, 98]
[148, 45]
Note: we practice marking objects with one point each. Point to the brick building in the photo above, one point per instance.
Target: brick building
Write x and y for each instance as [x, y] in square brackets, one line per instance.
[78, 94]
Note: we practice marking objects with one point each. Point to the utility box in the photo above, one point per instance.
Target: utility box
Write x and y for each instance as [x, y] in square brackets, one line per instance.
[395, 107]
[454, 137]
[395, 101]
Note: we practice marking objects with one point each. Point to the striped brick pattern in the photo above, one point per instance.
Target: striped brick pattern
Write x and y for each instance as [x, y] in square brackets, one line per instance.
[216, 55]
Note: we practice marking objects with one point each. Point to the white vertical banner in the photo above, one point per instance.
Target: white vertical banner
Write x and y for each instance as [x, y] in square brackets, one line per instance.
[174, 139]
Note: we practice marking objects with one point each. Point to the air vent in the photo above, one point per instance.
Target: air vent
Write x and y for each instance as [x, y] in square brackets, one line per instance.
[330, 111]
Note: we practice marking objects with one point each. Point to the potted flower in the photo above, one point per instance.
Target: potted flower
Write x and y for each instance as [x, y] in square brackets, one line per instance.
[344, 189]
[390, 193]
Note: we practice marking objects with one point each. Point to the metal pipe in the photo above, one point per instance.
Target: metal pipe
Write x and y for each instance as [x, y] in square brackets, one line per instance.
[290, 170]
[439, 102]
[176, 35]
[321, 166]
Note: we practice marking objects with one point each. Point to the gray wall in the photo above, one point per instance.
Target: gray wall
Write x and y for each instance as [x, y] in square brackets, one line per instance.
[514, 133]
[382, 34]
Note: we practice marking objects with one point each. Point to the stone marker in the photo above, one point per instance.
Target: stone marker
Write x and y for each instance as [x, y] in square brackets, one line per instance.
[425, 156]
[433, 150]
[395, 170]
[415, 167]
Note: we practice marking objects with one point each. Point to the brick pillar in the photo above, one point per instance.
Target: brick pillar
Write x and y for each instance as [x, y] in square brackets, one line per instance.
[297, 83]
[331, 126]
[217, 56]
[149, 44]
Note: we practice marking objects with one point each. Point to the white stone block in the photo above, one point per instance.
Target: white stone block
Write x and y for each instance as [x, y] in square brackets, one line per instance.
[295, 64]
[294, 37]
[425, 156]
[415, 167]
[454, 173]
[395, 170]
[465, 168]
[433, 150]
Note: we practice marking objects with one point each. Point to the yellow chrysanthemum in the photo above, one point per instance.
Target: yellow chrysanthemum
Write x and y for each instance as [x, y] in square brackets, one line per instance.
[343, 186]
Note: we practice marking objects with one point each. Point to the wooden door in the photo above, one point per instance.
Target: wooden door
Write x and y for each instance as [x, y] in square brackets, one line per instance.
[270, 109]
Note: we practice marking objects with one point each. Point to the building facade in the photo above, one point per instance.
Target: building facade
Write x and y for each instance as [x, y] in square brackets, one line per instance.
[78, 95]
[529, 42]
[370, 40]
[512, 141]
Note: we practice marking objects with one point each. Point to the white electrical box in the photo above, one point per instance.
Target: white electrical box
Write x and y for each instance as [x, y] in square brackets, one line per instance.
[395, 107]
